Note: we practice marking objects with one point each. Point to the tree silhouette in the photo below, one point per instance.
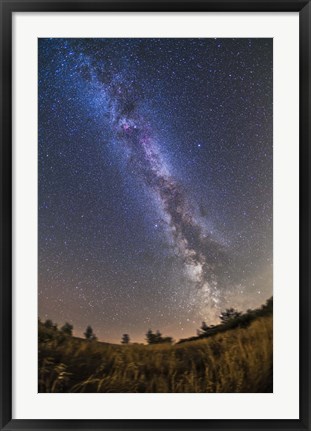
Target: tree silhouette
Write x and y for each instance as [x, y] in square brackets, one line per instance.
[268, 306]
[48, 324]
[157, 338]
[150, 337]
[229, 314]
[89, 334]
[67, 329]
[125, 339]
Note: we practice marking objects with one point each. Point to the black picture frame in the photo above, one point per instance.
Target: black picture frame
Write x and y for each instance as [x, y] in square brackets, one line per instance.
[8, 7]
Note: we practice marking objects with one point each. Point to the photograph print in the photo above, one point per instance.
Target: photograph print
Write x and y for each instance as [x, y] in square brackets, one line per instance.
[155, 193]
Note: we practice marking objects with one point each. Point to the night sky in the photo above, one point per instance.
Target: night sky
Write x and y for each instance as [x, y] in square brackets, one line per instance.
[155, 182]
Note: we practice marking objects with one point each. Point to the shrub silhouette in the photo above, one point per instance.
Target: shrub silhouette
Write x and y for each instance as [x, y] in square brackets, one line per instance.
[229, 314]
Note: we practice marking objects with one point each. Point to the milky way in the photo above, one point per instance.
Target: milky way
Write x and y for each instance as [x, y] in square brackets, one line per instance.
[199, 253]
[106, 115]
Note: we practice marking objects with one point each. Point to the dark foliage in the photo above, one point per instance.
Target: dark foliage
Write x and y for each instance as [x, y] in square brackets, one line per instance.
[125, 339]
[89, 333]
[231, 319]
[67, 328]
[156, 338]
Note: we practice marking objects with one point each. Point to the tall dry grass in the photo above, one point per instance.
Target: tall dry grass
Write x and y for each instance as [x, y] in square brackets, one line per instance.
[238, 360]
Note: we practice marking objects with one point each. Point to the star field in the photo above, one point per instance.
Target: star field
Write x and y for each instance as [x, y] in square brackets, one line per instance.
[155, 182]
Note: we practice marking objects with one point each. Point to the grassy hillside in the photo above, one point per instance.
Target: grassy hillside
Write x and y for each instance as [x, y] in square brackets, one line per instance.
[237, 360]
